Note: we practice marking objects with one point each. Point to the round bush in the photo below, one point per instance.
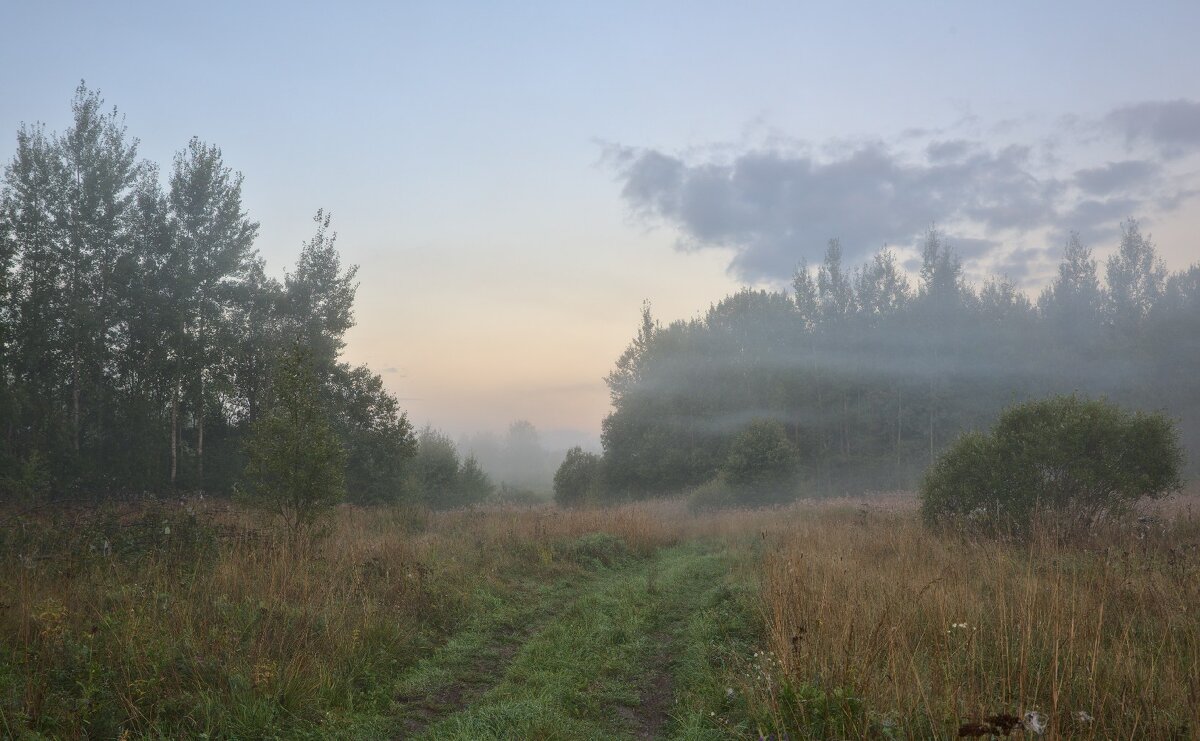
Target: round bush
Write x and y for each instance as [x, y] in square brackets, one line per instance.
[762, 464]
[1078, 460]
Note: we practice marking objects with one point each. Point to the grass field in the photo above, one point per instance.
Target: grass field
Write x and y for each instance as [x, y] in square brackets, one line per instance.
[834, 620]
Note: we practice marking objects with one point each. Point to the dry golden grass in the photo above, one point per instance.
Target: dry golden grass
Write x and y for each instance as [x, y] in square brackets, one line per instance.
[925, 633]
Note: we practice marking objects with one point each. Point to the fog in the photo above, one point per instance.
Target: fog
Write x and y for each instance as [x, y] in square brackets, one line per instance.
[872, 374]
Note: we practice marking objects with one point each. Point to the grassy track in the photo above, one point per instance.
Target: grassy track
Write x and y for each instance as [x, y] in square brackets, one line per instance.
[637, 651]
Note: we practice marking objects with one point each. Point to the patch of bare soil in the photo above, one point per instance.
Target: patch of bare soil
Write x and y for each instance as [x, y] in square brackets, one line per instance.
[656, 695]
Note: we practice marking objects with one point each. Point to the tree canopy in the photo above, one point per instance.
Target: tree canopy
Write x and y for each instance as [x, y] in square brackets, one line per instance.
[140, 333]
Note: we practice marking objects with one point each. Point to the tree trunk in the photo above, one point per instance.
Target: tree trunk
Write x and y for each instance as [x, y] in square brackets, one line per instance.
[174, 432]
[200, 416]
[200, 438]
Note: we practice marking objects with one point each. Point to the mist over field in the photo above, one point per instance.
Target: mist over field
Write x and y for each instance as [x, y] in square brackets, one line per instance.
[550, 371]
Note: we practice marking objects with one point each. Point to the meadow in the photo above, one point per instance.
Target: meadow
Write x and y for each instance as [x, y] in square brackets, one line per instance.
[832, 619]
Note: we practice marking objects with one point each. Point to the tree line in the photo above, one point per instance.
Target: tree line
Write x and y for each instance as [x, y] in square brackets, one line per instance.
[140, 334]
[870, 377]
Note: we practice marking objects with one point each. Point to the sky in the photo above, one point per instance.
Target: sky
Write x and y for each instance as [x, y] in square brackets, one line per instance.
[516, 179]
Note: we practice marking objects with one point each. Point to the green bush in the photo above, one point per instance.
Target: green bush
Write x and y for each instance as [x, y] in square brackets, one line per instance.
[579, 479]
[295, 464]
[1073, 459]
[762, 464]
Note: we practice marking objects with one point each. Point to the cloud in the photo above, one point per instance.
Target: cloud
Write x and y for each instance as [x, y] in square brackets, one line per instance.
[1171, 126]
[773, 208]
[1116, 176]
[772, 205]
[1018, 265]
[972, 248]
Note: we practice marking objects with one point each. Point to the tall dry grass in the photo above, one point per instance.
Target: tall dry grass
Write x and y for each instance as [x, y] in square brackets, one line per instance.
[878, 627]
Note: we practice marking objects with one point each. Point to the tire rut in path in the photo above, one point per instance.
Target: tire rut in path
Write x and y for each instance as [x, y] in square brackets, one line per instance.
[656, 694]
[423, 709]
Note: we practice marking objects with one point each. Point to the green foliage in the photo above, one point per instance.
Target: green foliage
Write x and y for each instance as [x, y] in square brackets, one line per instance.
[473, 484]
[439, 479]
[377, 436]
[140, 332]
[295, 462]
[762, 463]
[579, 479]
[25, 481]
[1082, 460]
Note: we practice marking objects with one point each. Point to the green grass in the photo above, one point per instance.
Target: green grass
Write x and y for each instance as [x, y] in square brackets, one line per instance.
[641, 652]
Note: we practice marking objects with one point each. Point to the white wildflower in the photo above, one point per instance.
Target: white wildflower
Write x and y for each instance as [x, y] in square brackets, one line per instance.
[1035, 721]
[1084, 716]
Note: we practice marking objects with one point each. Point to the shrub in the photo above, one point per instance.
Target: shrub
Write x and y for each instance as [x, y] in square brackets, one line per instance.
[1081, 460]
[578, 479]
[474, 485]
[439, 479]
[762, 464]
[295, 463]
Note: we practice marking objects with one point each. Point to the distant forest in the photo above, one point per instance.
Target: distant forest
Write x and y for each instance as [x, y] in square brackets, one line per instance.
[872, 377]
[139, 330]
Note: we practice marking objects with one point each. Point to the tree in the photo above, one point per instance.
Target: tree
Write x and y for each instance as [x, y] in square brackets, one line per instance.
[881, 289]
[213, 253]
[434, 471]
[1077, 459]
[295, 463]
[578, 479]
[1136, 277]
[378, 437]
[98, 170]
[320, 295]
[835, 291]
[474, 486]
[1073, 303]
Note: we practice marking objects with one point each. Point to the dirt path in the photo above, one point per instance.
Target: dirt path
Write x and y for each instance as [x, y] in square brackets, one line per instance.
[628, 652]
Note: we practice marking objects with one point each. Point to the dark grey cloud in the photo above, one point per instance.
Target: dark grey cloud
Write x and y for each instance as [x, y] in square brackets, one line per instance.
[774, 208]
[1097, 219]
[774, 205]
[1171, 126]
[952, 150]
[1116, 176]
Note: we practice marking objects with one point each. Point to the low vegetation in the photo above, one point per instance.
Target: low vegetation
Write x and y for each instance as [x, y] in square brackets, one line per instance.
[815, 621]
[1074, 462]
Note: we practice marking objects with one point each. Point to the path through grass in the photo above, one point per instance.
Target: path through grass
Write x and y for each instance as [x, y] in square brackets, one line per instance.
[639, 650]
